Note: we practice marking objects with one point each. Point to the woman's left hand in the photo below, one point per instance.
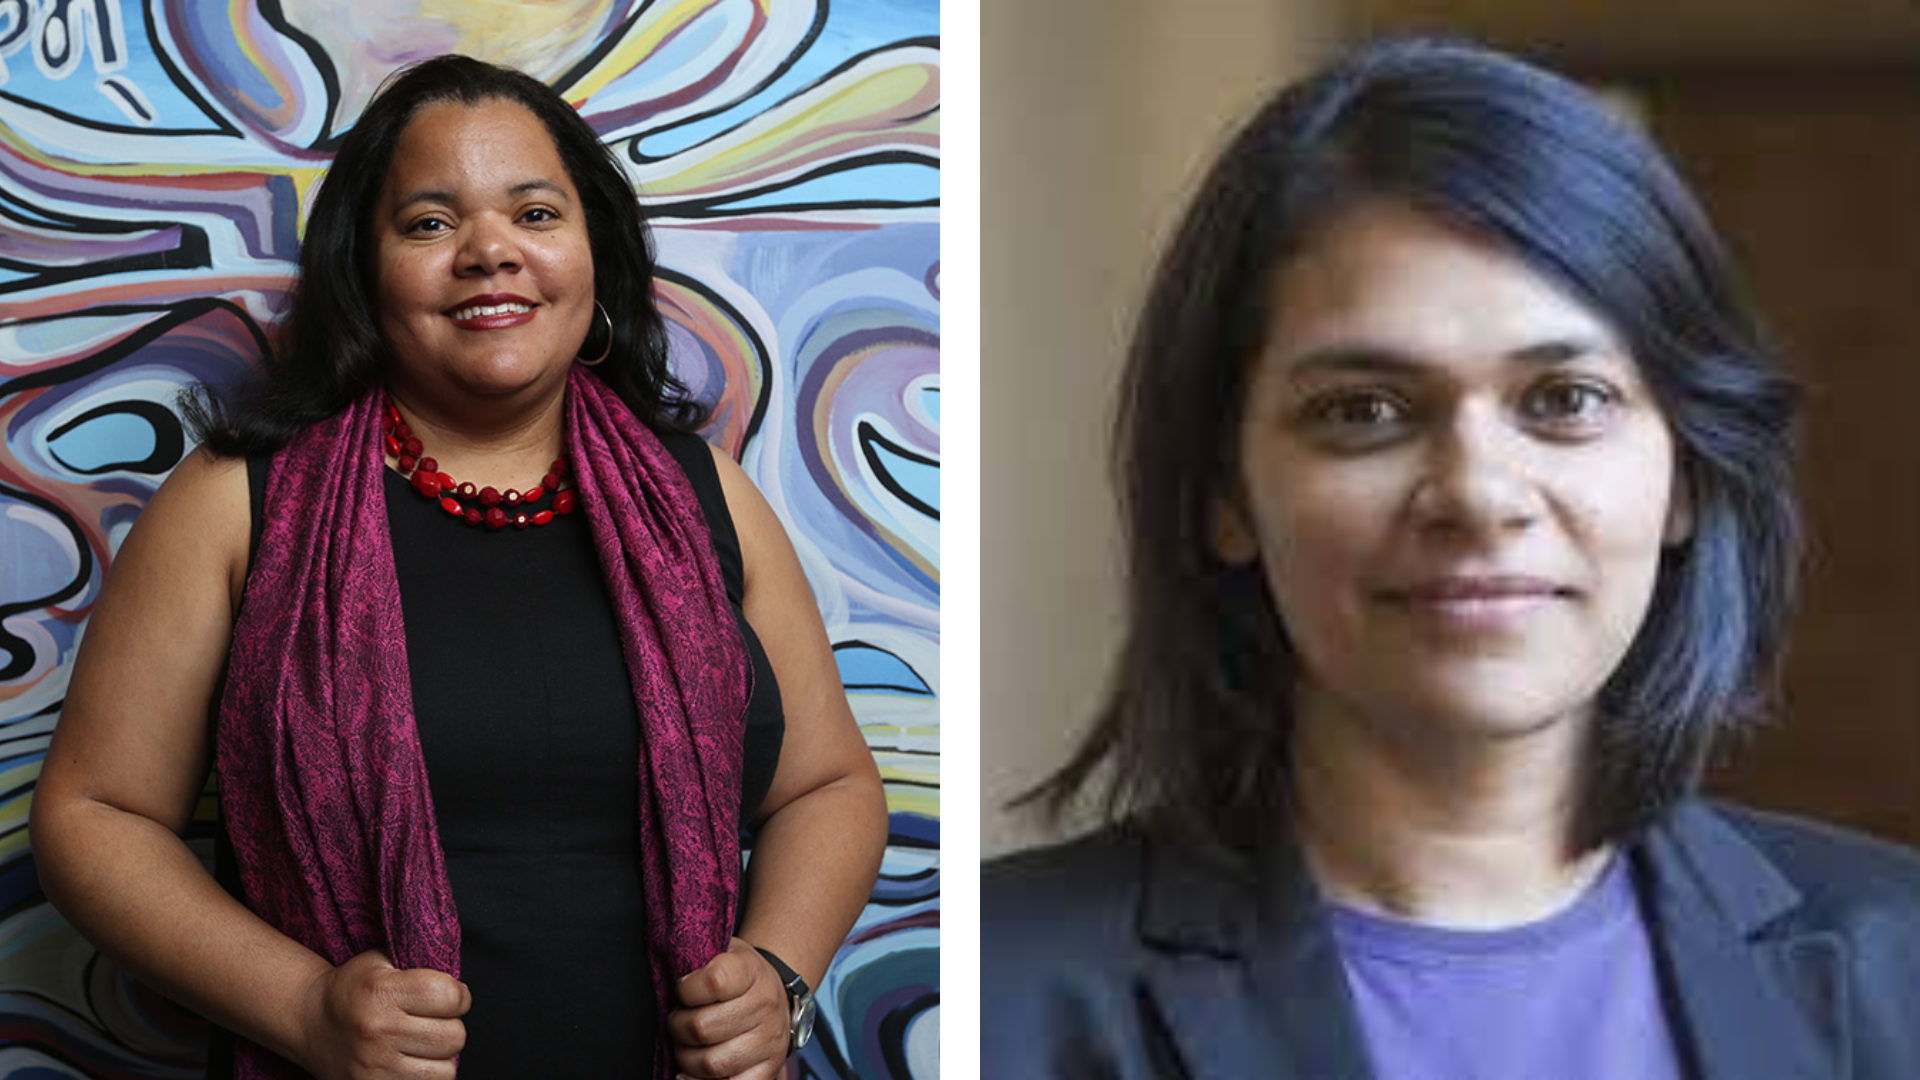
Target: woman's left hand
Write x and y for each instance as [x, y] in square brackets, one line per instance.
[733, 1022]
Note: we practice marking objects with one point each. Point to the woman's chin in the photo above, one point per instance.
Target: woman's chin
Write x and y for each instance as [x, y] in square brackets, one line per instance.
[1495, 716]
[508, 377]
[1469, 705]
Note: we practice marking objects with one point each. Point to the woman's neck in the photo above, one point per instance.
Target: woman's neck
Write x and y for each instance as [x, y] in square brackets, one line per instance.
[1447, 829]
[500, 447]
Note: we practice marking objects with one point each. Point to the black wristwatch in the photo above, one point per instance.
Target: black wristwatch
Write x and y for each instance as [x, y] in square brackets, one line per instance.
[799, 1002]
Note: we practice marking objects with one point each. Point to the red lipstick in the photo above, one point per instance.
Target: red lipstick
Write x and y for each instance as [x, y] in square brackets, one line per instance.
[492, 311]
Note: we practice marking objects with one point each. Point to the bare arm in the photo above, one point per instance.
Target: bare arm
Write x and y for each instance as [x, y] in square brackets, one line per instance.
[823, 825]
[126, 766]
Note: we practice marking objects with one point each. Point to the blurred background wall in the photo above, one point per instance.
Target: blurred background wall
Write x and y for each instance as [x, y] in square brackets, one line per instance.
[1796, 121]
[1095, 115]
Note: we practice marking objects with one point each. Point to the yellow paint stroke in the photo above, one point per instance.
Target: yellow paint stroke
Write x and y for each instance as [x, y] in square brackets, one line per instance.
[525, 34]
[661, 22]
[908, 768]
[237, 12]
[24, 773]
[276, 117]
[920, 801]
[694, 311]
[896, 106]
[142, 170]
[823, 406]
[13, 815]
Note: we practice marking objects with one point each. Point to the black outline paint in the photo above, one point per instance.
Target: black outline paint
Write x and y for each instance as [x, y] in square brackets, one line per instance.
[868, 436]
[722, 207]
[329, 137]
[119, 85]
[179, 77]
[893, 1031]
[170, 316]
[760, 352]
[580, 70]
[169, 440]
[19, 652]
[923, 690]
[174, 74]
[565, 80]
[638, 158]
[191, 252]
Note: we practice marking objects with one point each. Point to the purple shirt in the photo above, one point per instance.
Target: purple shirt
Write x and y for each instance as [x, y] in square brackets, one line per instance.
[1575, 996]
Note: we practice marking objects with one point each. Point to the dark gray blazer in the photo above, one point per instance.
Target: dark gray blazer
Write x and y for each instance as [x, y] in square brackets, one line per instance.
[1789, 951]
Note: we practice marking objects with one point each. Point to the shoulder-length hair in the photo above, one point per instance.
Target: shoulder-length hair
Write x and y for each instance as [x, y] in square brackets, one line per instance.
[328, 350]
[1195, 728]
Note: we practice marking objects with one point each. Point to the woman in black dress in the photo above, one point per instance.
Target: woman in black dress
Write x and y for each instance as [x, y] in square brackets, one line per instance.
[461, 532]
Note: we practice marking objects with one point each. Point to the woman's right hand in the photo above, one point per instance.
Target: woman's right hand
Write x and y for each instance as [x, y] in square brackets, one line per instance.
[373, 1021]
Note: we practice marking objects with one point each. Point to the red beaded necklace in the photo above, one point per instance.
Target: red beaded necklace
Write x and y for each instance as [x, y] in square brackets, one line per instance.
[497, 509]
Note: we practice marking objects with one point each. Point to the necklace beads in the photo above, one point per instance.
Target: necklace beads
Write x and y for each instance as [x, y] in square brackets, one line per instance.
[495, 509]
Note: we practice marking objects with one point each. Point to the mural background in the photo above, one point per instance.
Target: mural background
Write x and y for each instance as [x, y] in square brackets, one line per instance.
[155, 163]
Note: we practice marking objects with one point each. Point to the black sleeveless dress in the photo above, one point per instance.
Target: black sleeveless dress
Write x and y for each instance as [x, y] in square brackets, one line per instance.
[531, 739]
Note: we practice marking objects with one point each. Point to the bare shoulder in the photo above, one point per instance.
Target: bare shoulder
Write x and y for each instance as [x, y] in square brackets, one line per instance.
[740, 489]
[763, 539]
[822, 744]
[134, 731]
[200, 522]
[203, 474]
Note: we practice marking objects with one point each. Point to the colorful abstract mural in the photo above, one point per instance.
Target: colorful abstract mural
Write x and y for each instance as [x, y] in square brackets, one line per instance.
[155, 161]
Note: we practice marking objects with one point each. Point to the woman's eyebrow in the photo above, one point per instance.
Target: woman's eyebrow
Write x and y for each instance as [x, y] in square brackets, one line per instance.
[524, 187]
[424, 195]
[1373, 359]
[1562, 350]
[528, 187]
[1351, 359]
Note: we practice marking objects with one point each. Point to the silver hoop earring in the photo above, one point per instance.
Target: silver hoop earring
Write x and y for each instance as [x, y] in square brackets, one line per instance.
[605, 350]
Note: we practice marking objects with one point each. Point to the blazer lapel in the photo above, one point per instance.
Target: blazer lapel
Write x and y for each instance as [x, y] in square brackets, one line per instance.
[1754, 1001]
[1241, 966]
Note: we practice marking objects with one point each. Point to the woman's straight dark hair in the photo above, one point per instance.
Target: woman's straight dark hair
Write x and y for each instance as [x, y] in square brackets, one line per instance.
[1195, 729]
[328, 350]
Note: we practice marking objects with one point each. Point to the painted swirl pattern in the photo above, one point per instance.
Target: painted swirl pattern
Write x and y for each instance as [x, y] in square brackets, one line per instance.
[156, 159]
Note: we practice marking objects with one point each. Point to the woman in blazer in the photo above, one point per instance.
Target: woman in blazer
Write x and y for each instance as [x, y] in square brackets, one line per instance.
[1456, 480]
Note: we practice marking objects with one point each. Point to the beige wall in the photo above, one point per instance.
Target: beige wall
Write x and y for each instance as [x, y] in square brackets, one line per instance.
[1096, 117]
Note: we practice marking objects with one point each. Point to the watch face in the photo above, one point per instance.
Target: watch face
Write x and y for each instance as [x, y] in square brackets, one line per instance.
[803, 1011]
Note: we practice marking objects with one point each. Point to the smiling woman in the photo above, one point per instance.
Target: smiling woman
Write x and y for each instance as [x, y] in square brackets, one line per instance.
[482, 787]
[475, 191]
[1457, 486]
[1456, 483]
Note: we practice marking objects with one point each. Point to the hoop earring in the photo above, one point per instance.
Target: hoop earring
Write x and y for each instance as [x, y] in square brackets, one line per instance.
[606, 350]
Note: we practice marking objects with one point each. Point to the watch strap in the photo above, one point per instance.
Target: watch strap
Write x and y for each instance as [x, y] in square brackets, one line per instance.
[800, 1005]
[789, 978]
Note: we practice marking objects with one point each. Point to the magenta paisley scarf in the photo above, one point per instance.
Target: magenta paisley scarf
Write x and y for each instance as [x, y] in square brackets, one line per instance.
[321, 780]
